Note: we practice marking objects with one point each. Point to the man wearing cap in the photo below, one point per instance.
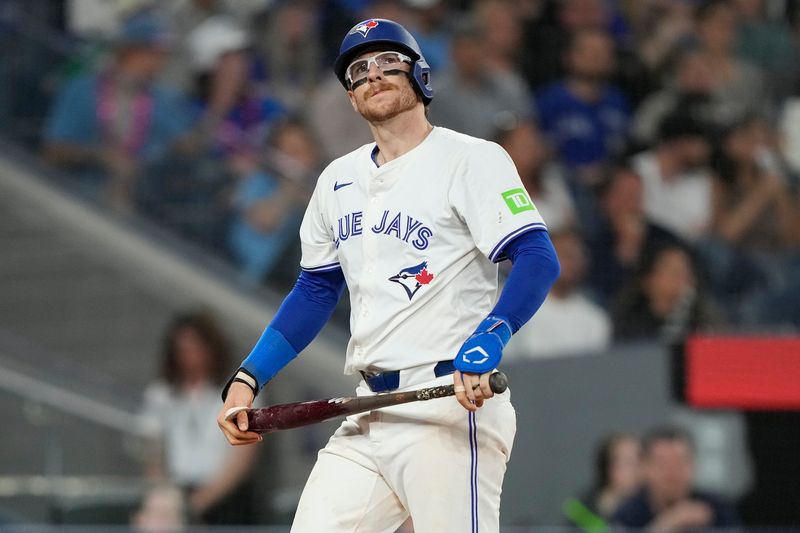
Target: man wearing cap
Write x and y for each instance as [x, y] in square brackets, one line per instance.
[414, 224]
[104, 125]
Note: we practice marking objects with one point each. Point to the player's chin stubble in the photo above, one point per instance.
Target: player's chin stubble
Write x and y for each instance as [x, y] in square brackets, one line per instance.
[381, 112]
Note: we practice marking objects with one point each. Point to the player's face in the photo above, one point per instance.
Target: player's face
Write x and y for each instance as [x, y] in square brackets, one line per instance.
[381, 89]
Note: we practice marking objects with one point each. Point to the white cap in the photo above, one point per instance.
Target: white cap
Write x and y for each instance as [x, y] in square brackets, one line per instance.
[215, 37]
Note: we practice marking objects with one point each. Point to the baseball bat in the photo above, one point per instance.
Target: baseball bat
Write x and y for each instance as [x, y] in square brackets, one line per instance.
[292, 415]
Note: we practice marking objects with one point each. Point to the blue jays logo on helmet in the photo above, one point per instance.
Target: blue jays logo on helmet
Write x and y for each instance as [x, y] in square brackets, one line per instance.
[364, 27]
[412, 278]
[383, 33]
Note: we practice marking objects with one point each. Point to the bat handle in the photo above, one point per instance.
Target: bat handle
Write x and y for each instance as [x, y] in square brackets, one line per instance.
[498, 382]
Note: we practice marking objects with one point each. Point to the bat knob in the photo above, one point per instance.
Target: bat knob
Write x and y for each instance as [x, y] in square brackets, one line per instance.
[498, 382]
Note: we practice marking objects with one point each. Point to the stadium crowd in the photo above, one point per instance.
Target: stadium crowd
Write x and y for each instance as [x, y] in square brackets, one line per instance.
[658, 135]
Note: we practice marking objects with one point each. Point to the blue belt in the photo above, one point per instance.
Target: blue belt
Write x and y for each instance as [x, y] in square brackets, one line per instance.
[390, 380]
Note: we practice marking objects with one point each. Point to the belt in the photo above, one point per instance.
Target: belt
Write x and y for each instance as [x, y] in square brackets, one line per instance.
[390, 380]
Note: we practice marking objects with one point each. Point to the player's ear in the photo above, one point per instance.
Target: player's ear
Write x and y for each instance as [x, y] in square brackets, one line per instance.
[352, 98]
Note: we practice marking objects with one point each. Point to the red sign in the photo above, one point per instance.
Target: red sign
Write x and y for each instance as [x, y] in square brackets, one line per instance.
[754, 373]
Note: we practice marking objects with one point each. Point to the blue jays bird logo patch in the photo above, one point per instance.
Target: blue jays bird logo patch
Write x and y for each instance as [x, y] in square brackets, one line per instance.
[412, 278]
[364, 27]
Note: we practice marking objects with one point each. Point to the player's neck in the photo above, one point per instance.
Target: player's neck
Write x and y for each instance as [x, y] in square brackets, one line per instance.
[400, 135]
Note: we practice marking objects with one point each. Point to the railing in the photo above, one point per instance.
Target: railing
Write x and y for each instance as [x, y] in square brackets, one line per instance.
[78, 405]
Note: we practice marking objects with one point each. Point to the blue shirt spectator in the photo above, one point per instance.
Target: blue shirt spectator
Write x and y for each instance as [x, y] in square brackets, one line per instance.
[584, 116]
[256, 243]
[583, 132]
[76, 117]
[105, 125]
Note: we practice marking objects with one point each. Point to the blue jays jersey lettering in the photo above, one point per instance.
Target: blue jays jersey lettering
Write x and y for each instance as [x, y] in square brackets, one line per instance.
[419, 258]
[398, 225]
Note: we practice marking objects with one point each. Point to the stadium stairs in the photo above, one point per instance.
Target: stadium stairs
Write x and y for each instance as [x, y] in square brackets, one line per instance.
[85, 296]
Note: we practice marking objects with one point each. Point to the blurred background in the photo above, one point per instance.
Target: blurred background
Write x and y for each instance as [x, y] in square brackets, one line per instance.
[155, 162]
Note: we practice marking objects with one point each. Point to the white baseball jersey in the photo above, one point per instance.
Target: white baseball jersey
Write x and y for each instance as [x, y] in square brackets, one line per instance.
[417, 239]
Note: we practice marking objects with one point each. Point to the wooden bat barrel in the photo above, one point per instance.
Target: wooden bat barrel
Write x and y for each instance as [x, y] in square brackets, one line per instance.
[292, 415]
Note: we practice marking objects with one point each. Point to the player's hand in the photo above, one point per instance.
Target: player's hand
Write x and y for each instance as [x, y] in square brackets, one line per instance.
[235, 429]
[472, 389]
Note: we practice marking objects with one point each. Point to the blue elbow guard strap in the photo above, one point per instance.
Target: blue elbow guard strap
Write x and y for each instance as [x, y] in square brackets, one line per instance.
[271, 353]
[483, 350]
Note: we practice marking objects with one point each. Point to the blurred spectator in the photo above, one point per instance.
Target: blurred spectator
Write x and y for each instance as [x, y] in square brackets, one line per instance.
[432, 31]
[179, 408]
[105, 126]
[688, 88]
[767, 43]
[191, 194]
[547, 30]
[267, 206]
[738, 84]
[677, 183]
[585, 117]
[502, 33]
[163, 510]
[624, 234]
[188, 15]
[236, 116]
[663, 26]
[543, 178]
[479, 98]
[663, 301]
[753, 206]
[756, 220]
[291, 50]
[551, 333]
[668, 503]
[617, 476]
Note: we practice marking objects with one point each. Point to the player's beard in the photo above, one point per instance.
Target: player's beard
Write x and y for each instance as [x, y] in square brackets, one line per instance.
[405, 101]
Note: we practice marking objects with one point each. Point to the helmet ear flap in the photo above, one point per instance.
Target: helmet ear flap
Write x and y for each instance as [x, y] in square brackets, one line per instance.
[422, 79]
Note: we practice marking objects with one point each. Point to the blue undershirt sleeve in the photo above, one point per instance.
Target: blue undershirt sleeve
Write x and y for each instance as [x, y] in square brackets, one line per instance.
[309, 306]
[534, 269]
[300, 318]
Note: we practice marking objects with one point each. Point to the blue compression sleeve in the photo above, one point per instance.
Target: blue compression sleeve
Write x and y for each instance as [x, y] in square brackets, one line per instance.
[534, 270]
[300, 318]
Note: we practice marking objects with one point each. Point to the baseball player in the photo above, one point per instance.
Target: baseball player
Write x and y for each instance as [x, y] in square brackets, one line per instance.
[414, 225]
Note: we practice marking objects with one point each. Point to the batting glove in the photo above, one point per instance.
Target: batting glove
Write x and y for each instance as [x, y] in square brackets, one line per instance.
[483, 349]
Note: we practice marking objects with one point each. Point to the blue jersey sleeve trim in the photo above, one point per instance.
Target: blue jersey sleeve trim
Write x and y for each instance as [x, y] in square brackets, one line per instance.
[323, 268]
[534, 269]
[498, 254]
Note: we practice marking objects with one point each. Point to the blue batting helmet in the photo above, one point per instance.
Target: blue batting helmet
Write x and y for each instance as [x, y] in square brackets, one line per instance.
[373, 33]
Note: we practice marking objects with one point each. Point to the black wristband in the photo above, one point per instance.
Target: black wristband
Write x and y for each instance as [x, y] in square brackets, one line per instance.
[241, 376]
